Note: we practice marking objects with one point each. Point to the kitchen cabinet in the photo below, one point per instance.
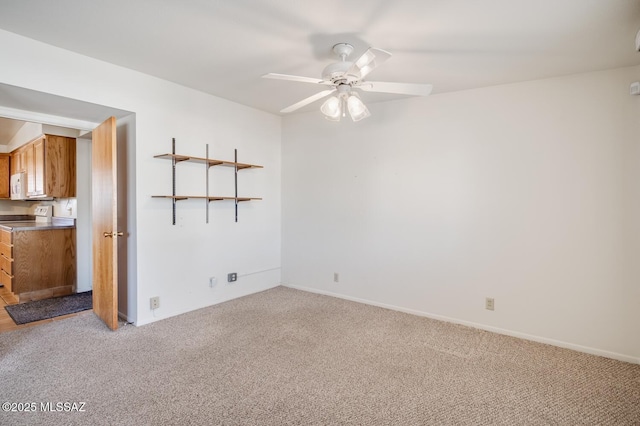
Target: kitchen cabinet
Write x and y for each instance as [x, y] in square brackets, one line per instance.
[38, 264]
[38, 169]
[30, 170]
[4, 176]
[6, 260]
[50, 165]
[18, 160]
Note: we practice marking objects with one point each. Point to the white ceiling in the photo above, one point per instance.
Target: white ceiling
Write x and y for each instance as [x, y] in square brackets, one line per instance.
[223, 47]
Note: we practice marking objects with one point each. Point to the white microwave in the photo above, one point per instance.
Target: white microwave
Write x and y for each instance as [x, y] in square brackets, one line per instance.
[19, 186]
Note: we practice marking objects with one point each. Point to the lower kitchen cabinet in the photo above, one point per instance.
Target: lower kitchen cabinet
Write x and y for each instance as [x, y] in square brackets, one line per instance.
[38, 264]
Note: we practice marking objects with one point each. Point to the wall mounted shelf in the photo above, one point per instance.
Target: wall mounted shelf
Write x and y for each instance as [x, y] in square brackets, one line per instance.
[211, 162]
[208, 162]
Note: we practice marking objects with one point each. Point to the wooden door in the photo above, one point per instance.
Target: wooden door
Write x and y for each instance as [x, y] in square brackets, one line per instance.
[22, 155]
[59, 167]
[30, 168]
[18, 161]
[105, 222]
[38, 159]
[15, 164]
[4, 176]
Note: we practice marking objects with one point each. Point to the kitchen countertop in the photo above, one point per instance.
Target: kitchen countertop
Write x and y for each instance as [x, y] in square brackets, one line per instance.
[32, 225]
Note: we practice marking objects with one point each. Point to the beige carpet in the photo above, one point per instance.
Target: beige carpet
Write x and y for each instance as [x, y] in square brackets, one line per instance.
[286, 357]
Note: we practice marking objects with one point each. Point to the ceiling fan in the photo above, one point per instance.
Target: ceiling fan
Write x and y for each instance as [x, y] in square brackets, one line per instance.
[341, 78]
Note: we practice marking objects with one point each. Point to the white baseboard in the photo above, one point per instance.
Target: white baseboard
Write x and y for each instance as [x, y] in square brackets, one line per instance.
[223, 299]
[539, 339]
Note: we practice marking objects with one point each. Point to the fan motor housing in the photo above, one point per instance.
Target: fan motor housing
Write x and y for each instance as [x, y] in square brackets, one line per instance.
[337, 71]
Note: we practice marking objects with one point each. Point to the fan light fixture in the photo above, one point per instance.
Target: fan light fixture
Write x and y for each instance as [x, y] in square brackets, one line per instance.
[335, 107]
[332, 108]
[357, 109]
[342, 79]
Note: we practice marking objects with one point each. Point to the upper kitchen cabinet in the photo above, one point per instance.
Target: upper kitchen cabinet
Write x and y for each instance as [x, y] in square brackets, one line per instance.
[49, 163]
[4, 176]
[18, 160]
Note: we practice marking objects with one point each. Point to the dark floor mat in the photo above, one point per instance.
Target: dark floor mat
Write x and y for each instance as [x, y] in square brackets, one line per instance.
[37, 310]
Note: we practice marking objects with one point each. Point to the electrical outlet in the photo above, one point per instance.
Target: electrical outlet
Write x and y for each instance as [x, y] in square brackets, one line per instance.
[336, 277]
[213, 281]
[232, 277]
[489, 304]
[155, 302]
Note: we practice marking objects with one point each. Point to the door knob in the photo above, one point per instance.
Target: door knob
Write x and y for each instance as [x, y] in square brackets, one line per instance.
[113, 234]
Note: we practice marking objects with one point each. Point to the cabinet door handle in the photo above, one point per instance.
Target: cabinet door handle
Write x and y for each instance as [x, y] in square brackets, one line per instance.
[113, 234]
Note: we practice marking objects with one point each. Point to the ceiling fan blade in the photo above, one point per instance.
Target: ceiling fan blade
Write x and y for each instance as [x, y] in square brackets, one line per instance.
[294, 78]
[368, 61]
[308, 100]
[412, 89]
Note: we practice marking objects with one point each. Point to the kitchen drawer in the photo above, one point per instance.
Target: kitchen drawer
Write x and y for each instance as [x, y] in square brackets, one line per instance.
[5, 236]
[6, 250]
[6, 265]
[6, 280]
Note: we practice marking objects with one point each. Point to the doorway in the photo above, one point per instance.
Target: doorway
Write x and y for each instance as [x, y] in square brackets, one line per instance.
[75, 115]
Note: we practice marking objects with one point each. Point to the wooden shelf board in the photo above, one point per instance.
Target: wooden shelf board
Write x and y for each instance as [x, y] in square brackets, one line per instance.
[177, 157]
[176, 197]
[246, 166]
[210, 161]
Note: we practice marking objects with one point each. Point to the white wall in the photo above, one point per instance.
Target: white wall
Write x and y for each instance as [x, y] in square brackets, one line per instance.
[527, 193]
[174, 262]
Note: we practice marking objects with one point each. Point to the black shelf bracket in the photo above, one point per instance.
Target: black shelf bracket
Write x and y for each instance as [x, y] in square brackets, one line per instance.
[174, 202]
[235, 169]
